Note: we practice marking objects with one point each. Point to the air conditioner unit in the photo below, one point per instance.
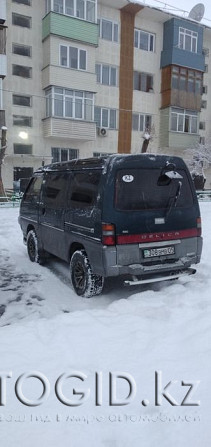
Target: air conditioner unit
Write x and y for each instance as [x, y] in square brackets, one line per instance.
[102, 131]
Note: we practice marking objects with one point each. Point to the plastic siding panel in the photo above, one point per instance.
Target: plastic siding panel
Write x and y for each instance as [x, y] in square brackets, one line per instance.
[69, 129]
[71, 28]
[164, 128]
[74, 79]
[183, 140]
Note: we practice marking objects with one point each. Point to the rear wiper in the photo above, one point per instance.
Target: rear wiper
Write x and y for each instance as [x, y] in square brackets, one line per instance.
[174, 199]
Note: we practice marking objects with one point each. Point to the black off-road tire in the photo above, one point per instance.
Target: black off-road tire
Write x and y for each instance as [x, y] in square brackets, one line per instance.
[85, 283]
[34, 253]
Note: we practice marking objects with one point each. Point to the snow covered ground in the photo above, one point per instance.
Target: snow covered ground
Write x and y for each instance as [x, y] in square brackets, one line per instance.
[45, 327]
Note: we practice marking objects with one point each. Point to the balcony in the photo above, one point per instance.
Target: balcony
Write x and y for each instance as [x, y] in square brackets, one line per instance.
[69, 129]
[77, 79]
[70, 27]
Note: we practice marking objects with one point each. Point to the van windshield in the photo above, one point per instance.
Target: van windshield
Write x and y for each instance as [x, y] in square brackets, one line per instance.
[139, 189]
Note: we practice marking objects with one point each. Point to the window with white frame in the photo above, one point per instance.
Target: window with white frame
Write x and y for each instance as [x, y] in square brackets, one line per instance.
[105, 117]
[141, 122]
[184, 120]
[72, 57]
[106, 74]
[144, 40]
[82, 9]
[63, 154]
[109, 30]
[67, 103]
[188, 40]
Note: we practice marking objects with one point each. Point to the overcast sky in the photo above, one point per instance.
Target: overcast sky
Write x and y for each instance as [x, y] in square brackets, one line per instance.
[185, 6]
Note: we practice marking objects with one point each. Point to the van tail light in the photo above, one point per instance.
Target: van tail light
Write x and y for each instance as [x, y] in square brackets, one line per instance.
[108, 234]
[198, 226]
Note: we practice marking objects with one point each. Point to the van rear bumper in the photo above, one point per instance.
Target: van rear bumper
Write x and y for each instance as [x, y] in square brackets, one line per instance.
[187, 252]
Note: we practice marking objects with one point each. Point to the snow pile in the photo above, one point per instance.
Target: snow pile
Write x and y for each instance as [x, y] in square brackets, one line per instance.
[46, 328]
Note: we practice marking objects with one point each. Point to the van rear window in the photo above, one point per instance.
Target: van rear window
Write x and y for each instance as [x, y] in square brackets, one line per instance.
[139, 189]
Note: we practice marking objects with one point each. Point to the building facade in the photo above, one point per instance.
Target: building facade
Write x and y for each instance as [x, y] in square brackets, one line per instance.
[86, 77]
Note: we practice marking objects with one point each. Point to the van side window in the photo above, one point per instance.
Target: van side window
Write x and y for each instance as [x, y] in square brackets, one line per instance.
[32, 193]
[84, 188]
[54, 192]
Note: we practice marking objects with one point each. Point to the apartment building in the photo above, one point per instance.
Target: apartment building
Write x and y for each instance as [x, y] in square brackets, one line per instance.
[90, 77]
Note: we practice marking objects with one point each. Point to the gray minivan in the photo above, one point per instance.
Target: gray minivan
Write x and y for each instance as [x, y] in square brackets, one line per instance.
[131, 215]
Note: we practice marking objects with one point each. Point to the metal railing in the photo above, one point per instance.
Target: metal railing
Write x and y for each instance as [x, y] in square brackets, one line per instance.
[204, 195]
[11, 199]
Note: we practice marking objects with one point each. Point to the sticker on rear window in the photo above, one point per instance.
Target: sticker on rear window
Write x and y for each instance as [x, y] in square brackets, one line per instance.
[128, 178]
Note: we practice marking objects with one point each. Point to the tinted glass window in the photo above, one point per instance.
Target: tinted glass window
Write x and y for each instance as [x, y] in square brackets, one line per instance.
[24, 21]
[32, 193]
[23, 50]
[139, 189]
[84, 188]
[21, 100]
[54, 192]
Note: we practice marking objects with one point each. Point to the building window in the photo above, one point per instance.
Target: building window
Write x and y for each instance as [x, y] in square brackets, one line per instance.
[22, 50]
[202, 125]
[105, 117]
[23, 2]
[186, 79]
[82, 9]
[204, 89]
[109, 30]
[188, 40]
[22, 149]
[22, 121]
[21, 70]
[102, 154]
[184, 120]
[62, 154]
[22, 100]
[206, 68]
[142, 82]
[68, 103]
[106, 74]
[204, 104]
[144, 40]
[72, 57]
[141, 122]
[205, 52]
[18, 19]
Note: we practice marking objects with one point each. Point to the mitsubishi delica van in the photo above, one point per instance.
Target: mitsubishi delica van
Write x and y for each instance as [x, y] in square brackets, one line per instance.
[130, 215]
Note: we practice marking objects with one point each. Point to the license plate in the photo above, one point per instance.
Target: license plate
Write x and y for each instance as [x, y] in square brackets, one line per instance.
[158, 252]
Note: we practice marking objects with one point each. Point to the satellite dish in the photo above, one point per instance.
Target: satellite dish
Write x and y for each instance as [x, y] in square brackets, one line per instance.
[197, 12]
